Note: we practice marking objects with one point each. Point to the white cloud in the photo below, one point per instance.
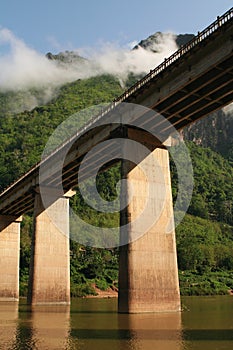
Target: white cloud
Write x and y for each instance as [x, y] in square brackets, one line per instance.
[23, 68]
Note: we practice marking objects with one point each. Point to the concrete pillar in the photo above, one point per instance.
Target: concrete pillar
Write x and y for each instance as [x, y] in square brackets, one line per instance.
[49, 280]
[9, 257]
[148, 273]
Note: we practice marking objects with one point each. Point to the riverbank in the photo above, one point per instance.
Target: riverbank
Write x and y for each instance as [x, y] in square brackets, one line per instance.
[108, 293]
[191, 283]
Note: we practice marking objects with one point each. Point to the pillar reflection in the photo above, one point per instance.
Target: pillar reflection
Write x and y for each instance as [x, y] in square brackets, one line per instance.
[8, 319]
[51, 326]
[151, 331]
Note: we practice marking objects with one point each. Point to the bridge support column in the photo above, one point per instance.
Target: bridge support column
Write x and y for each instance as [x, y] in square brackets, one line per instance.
[9, 257]
[148, 273]
[49, 280]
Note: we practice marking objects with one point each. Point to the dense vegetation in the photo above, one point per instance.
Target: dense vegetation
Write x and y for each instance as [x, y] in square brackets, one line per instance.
[24, 135]
[205, 256]
[204, 237]
[215, 131]
[213, 191]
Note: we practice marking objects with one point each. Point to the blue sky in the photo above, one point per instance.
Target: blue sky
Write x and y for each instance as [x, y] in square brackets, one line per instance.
[49, 25]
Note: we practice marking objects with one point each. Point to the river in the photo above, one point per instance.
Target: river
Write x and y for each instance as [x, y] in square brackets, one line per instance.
[206, 323]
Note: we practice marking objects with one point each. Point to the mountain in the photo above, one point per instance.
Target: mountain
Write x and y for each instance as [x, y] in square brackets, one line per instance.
[153, 40]
[67, 57]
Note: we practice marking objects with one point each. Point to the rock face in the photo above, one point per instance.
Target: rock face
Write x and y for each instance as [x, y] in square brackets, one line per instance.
[214, 131]
[182, 39]
[153, 40]
[66, 57]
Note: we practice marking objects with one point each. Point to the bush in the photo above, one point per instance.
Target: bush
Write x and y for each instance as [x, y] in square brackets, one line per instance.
[102, 284]
[214, 283]
[82, 290]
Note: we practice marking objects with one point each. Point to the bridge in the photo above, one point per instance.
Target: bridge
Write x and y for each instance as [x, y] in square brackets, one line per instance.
[193, 82]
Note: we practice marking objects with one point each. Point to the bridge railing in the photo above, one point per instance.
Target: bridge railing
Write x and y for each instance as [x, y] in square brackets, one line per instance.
[219, 22]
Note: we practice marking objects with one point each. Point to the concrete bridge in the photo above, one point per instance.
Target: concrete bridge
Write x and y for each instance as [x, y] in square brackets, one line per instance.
[193, 82]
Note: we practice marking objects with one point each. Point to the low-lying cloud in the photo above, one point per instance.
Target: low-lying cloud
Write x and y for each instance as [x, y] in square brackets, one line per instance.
[23, 68]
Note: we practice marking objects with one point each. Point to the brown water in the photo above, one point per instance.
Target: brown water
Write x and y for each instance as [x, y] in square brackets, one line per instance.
[206, 323]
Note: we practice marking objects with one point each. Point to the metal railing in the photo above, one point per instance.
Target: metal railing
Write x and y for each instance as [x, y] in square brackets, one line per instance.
[213, 27]
[207, 32]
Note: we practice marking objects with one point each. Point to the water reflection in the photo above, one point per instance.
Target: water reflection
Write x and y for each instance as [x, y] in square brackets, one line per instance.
[208, 323]
[51, 326]
[103, 328]
[94, 324]
[8, 324]
[89, 324]
[42, 327]
[152, 331]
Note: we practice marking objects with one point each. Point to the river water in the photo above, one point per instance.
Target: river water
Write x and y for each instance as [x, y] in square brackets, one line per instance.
[206, 323]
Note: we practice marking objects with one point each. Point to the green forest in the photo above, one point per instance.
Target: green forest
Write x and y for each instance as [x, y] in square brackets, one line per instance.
[204, 237]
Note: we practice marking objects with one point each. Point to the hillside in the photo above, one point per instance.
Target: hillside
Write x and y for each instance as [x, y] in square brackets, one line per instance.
[206, 264]
[213, 191]
[24, 135]
[214, 131]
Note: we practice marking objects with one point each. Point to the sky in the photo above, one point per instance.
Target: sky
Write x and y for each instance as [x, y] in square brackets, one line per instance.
[58, 25]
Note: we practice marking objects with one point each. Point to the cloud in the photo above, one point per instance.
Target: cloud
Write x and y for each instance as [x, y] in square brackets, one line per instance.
[121, 61]
[23, 68]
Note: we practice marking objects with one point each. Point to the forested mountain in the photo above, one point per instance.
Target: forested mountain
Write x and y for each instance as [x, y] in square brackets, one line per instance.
[205, 236]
